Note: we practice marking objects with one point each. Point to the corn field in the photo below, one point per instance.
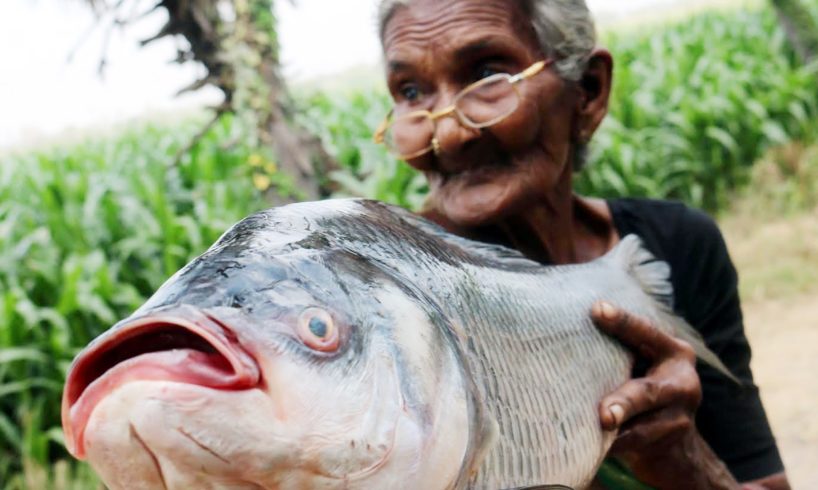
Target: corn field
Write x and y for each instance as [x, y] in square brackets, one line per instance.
[696, 104]
[88, 232]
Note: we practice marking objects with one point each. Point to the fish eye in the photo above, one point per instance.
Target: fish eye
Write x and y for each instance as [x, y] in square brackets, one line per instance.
[317, 330]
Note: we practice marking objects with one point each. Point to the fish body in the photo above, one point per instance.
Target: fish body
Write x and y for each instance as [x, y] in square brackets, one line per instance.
[351, 344]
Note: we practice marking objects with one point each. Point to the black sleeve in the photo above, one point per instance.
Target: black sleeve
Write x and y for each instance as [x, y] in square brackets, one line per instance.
[731, 418]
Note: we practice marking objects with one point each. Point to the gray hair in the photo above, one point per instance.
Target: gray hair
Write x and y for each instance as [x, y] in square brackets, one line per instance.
[564, 28]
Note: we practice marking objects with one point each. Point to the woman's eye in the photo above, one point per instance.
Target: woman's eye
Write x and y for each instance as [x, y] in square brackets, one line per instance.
[486, 71]
[410, 92]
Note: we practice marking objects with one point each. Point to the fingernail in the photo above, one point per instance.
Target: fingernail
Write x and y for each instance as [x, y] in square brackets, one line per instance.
[608, 311]
[617, 412]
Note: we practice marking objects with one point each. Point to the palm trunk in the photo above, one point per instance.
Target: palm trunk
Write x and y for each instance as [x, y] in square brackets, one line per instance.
[236, 42]
[800, 26]
[261, 95]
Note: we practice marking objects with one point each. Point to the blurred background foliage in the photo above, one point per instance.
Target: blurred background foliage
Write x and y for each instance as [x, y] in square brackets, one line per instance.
[89, 230]
[694, 105]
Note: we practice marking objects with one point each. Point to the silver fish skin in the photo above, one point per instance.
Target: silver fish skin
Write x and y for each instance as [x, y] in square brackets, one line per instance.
[455, 364]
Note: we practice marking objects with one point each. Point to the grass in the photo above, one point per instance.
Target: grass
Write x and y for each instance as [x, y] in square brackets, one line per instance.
[772, 227]
[777, 259]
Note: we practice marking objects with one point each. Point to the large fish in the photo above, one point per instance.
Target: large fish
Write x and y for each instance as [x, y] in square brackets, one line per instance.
[350, 344]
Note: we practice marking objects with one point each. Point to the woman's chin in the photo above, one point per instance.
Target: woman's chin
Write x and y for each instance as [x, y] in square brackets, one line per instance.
[467, 203]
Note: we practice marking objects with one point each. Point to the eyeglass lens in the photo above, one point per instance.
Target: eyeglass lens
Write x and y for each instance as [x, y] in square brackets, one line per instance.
[409, 135]
[488, 102]
[481, 105]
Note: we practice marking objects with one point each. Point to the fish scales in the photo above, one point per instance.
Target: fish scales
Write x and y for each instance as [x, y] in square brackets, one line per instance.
[565, 356]
[502, 348]
[505, 336]
[463, 365]
[516, 312]
[514, 367]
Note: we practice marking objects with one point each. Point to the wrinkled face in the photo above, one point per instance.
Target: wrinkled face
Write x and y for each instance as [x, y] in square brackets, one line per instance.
[433, 50]
[283, 375]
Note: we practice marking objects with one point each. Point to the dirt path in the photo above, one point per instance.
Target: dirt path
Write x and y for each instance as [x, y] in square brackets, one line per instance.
[784, 336]
[778, 272]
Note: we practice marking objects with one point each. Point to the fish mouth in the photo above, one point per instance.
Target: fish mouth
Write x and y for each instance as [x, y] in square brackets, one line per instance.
[182, 345]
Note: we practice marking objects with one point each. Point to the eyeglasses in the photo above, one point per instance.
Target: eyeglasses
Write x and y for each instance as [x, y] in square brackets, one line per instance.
[480, 105]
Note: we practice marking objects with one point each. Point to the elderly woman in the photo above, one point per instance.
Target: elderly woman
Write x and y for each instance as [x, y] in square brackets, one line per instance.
[495, 101]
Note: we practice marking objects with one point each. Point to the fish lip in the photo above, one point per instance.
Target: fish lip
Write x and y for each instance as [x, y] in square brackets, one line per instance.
[246, 373]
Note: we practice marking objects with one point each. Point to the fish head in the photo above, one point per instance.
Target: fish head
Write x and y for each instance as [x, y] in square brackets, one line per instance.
[295, 365]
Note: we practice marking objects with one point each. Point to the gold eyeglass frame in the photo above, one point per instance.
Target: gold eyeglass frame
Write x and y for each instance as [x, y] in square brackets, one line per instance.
[379, 135]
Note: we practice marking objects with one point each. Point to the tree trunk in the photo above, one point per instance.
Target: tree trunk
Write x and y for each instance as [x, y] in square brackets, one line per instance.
[260, 94]
[236, 42]
[800, 26]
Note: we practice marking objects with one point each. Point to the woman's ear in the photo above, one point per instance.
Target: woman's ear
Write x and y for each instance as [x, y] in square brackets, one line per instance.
[594, 91]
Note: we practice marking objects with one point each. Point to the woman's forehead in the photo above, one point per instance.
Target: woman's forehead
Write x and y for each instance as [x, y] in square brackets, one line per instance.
[432, 25]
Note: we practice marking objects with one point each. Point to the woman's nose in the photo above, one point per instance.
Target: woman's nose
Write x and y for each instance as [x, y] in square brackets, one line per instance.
[450, 133]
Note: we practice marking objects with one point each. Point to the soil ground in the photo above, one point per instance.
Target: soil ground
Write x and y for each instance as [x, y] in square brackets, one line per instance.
[784, 336]
[778, 265]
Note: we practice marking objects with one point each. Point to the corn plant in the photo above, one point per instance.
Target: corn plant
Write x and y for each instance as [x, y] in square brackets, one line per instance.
[345, 125]
[695, 104]
[86, 234]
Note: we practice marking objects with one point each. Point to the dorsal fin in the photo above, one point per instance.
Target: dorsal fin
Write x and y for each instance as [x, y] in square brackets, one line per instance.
[653, 275]
[495, 255]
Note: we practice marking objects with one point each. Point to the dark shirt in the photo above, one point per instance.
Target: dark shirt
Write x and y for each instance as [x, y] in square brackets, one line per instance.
[731, 418]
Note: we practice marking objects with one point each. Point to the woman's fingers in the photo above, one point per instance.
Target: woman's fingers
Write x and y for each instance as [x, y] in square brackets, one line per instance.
[655, 413]
[671, 381]
[672, 387]
[651, 429]
[634, 331]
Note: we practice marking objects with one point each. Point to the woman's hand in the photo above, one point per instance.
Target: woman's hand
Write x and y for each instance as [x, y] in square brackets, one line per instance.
[655, 414]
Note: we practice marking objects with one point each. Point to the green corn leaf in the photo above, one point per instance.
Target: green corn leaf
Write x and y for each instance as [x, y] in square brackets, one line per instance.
[28, 354]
